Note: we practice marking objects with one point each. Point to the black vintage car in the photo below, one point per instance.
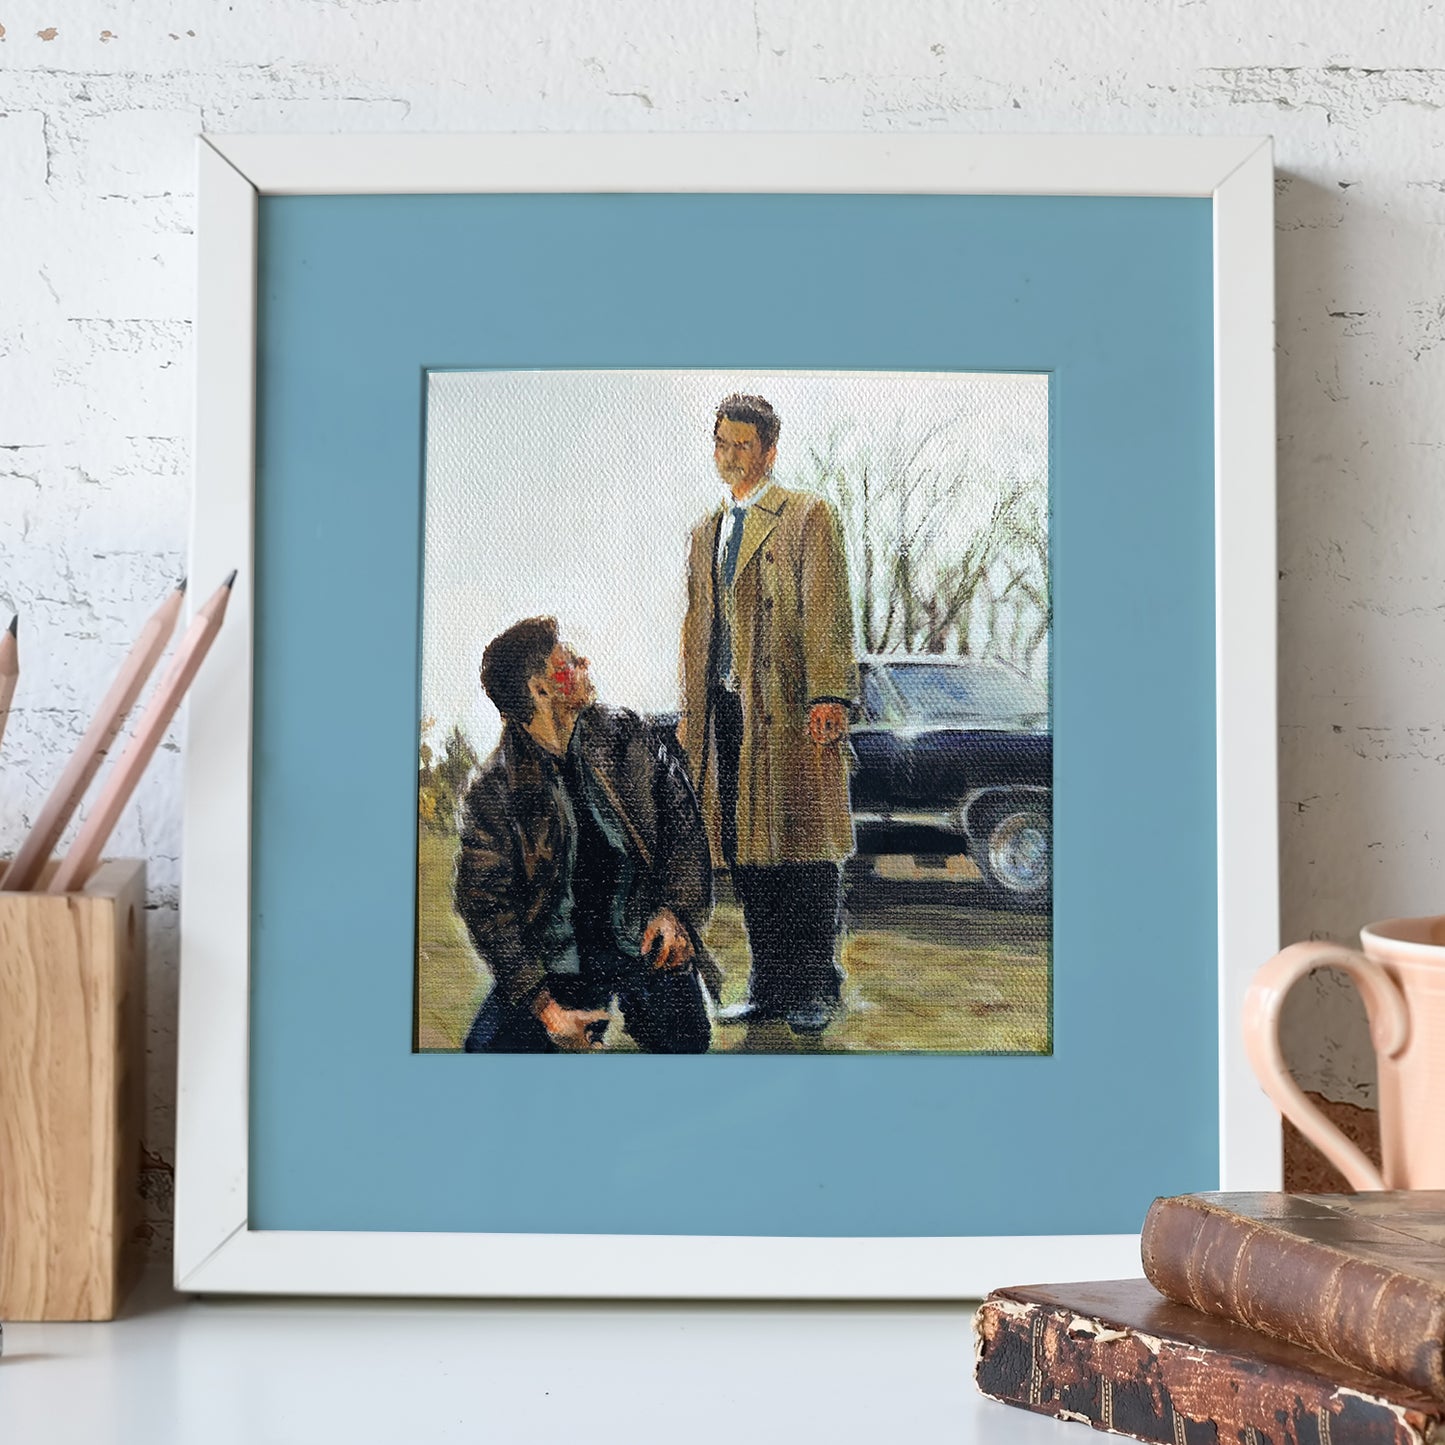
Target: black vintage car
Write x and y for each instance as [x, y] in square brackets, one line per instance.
[955, 755]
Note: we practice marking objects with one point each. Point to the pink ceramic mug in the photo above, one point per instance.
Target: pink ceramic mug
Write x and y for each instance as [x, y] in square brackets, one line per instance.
[1401, 977]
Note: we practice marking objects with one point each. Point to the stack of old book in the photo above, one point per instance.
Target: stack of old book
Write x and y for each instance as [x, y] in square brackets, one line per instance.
[1270, 1319]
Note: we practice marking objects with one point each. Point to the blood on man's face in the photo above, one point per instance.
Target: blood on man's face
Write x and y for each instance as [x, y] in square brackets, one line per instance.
[569, 672]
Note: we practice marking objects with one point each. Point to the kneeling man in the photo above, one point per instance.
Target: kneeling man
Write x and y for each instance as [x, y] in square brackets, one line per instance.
[584, 874]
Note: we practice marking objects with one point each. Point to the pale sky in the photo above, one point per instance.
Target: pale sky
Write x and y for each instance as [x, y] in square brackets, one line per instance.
[573, 493]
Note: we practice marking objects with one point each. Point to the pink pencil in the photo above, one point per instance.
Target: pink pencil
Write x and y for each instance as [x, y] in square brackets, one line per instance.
[191, 652]
[9, 670]
[90, 752]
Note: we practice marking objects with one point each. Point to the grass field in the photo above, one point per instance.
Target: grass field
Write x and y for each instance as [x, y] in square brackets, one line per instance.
[926, 971]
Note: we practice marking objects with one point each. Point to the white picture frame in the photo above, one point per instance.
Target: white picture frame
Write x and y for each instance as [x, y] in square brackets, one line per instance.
[216, 1249]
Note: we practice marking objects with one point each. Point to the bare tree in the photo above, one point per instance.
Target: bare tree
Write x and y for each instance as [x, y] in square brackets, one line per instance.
[922, 577]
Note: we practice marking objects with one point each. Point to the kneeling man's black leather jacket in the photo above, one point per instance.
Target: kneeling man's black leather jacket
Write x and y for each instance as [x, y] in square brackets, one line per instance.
[517, 837]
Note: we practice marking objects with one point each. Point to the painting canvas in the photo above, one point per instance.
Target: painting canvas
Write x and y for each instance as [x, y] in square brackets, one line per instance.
[735, 731]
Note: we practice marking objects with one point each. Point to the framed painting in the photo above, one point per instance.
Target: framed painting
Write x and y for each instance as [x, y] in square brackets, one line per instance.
[742, 760]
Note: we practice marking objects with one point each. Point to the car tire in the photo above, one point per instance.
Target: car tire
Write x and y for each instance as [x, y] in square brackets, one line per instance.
[1015, 853]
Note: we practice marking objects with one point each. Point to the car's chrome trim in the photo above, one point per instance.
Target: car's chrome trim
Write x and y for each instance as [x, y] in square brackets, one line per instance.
[953, 819]
[950, 820]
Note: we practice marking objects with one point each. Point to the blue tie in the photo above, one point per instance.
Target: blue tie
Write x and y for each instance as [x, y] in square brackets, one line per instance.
[734, 546]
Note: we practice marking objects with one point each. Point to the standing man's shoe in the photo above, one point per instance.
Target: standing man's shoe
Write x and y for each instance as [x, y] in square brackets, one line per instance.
[746, 1012]
[811, 1018]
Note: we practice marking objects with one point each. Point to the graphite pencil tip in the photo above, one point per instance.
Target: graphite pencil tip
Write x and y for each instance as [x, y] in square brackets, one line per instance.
[230, 579]
[181, 585]
[14, 628]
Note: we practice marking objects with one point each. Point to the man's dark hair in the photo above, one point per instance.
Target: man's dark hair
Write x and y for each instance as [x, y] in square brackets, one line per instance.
[753, 410]
[512, 659]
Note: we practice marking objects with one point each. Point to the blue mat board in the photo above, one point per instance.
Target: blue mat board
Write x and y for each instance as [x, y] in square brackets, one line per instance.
[359, 296]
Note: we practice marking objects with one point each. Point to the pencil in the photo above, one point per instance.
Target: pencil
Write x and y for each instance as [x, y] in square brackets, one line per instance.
[9, 669]
[85, 761]
[191, 652]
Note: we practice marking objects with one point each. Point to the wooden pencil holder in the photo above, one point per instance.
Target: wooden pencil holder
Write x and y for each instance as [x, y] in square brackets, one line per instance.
[72, 1066]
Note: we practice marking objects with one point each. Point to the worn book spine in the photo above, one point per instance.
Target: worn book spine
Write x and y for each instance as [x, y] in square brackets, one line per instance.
[1309, 1292]
[1127, 1381]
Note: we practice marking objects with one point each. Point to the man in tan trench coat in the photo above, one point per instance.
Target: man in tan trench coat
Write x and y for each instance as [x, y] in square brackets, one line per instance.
[768, 675]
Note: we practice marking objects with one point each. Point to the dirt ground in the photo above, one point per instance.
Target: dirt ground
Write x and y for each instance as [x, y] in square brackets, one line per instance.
[928, 969]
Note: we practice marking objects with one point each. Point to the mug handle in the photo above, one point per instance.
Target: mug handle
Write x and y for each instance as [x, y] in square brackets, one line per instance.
[1389, 1033]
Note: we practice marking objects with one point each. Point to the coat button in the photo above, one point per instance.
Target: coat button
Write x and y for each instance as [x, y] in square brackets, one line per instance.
[767, 604]
[767, 719]
[768, 556]
[764, 663]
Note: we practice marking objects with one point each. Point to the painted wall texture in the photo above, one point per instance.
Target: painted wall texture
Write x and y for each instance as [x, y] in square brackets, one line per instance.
[99, 107]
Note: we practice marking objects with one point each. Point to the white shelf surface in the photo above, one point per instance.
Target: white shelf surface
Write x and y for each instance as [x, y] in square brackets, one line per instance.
[247, 1371]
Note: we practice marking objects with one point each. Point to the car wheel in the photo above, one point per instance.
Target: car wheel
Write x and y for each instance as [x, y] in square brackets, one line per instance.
[1017, 856]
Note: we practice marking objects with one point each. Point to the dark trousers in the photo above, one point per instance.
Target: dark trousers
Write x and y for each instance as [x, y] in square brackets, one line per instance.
[727, 724]
[792, 911]
[665, 1010]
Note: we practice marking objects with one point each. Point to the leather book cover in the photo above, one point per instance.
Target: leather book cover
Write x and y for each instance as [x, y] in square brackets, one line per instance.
[1358, 1277]
[1119, 1356]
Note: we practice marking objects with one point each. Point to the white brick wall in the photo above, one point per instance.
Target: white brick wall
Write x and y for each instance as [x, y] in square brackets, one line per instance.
[99, 103]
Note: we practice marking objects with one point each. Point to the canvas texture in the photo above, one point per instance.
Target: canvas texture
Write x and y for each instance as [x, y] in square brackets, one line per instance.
[801, 712]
